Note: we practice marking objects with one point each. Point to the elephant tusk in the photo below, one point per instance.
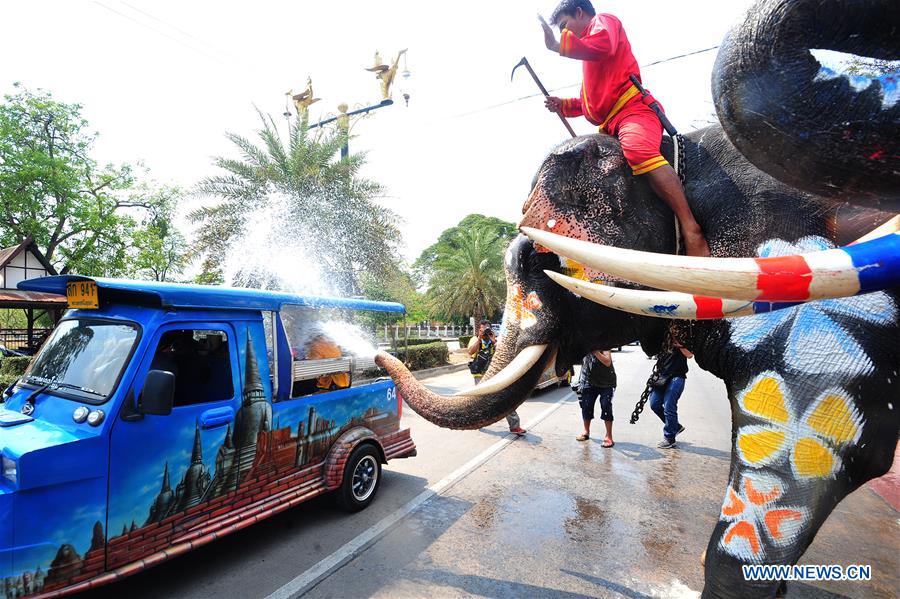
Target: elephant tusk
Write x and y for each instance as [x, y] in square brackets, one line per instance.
[860, 268]
[664, 304]
[891, 226]
[513, 371]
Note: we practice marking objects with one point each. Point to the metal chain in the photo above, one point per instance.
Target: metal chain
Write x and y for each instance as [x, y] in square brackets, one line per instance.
[639, 406]
[667, 340]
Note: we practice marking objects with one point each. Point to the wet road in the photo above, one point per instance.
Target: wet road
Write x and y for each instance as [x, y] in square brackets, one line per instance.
[542, 515]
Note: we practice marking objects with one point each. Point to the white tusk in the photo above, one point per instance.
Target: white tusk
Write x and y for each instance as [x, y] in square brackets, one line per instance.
[664, 304]
[870, 266]
[512, 372]
[886, 228]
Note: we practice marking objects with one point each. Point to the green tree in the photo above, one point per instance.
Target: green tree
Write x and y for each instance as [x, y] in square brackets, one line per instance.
[448, 242]
[397, 285]
[467, 274]
[79, 213]
[318, 205]
[159, 251]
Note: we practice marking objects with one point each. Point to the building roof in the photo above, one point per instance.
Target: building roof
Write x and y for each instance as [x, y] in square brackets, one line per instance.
[178, 295]
[11, 298]
[7, 254]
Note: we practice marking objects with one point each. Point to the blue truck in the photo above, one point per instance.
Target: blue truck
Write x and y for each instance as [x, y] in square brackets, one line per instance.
[158, 417]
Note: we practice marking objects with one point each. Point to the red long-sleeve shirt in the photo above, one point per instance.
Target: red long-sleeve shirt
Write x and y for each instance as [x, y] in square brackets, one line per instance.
[607, 65]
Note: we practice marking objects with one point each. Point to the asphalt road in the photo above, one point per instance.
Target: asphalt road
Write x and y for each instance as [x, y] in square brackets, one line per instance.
[481, 513]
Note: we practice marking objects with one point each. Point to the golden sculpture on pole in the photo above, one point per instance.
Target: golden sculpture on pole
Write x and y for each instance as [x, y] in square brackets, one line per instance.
[385, 73]
[303, 100]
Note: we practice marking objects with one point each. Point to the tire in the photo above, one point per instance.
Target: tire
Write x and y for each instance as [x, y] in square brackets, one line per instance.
[362, 477]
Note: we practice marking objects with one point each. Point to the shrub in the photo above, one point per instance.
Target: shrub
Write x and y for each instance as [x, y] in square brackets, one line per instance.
[424, 356]
[14, 365]
[6, 380]
[411, 342]
[464, 341]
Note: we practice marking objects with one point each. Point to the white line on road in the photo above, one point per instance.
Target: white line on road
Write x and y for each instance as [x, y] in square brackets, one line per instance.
[305, 581]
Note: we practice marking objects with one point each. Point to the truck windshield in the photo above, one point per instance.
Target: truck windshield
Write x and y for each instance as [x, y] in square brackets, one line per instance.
[83, 358]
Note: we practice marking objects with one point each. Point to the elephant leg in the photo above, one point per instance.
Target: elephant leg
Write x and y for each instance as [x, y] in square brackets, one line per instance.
[766, 519]
[798, 449]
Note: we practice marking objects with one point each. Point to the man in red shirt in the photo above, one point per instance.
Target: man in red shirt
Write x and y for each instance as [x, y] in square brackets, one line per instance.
[610, 100]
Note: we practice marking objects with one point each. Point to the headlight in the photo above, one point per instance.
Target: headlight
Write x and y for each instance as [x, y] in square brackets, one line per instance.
[10, 470]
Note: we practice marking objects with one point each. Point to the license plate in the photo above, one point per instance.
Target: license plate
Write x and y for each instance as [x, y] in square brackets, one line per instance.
[82, 294]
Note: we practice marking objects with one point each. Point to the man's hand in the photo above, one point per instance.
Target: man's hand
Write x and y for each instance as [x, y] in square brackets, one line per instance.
[549, 36]
[553, 104]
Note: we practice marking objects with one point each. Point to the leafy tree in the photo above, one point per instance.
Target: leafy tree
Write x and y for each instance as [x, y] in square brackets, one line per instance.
[79, 213]
[467, 274]
[448, 240]
[396, 286]
[318, 206]
[159, 250]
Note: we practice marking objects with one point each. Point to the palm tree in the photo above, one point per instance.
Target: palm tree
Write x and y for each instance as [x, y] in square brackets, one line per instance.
[468, 275]
[315, 204]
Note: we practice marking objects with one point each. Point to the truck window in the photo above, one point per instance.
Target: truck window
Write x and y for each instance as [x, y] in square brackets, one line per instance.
[83, 358]
[319, 365]
[201, 362]
[271, 348]
[319, 361]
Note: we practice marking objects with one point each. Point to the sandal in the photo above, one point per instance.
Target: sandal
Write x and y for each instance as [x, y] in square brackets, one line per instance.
[582, 437]
[607, 443]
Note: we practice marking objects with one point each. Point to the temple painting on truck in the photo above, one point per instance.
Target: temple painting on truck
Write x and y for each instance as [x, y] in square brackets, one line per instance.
[234, 446]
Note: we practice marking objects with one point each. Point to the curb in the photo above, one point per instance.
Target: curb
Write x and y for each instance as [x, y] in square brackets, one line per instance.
[430, 372]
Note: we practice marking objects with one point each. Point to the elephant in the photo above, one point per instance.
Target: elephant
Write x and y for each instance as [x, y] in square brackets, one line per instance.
[809, 352]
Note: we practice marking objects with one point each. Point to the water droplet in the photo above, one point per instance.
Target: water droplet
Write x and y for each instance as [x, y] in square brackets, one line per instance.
[551, 223]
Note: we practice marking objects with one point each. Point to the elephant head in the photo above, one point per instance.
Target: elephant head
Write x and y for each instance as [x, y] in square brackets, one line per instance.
[582, 188]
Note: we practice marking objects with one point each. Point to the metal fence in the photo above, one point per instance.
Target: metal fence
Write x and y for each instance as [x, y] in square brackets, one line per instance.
[18, 338]
[422, 332]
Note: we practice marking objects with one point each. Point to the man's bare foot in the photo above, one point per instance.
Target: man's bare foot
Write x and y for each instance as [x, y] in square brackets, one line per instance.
[607, 442]
[695, 244]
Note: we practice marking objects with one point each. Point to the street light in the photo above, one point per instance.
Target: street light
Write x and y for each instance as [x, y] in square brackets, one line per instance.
[405, 87]
[385, 75]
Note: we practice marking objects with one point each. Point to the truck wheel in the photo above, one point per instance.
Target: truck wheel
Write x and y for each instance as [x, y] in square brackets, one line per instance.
[362, 475]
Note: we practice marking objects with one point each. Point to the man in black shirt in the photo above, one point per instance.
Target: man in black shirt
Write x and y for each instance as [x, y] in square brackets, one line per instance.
[597, 381]
[672, 368]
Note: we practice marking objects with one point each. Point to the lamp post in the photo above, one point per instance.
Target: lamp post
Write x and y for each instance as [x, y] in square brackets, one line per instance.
[385, 75]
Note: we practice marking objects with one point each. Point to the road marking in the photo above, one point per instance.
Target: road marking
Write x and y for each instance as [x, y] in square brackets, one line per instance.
[307, 580]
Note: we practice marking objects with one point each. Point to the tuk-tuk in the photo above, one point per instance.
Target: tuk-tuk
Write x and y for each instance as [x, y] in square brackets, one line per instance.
[158, 417]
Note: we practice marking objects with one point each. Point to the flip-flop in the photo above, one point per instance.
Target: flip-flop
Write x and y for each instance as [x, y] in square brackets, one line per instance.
[605, 444]
[582, 437]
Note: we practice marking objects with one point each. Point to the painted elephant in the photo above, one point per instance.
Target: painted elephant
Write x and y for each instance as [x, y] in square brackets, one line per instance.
[814, 388]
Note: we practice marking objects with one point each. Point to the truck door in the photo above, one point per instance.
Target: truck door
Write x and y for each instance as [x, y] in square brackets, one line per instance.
[165, 466]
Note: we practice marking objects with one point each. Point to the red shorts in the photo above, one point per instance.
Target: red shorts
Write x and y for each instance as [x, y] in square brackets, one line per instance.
[640, 133]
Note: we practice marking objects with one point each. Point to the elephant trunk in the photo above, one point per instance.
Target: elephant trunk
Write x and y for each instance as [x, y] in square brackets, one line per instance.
[479, 406]
[824, 132]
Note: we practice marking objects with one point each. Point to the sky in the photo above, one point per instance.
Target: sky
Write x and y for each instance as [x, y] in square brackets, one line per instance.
[163, 81]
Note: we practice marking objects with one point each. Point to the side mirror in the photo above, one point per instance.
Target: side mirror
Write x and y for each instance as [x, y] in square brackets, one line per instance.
[158, 395]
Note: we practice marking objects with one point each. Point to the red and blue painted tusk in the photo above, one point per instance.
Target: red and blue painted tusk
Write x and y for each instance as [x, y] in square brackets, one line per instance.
[860, 268]
[665, 304]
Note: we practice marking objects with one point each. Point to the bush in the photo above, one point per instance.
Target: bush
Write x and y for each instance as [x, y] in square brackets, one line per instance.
[464, 341]
[14, 365]
[6, 380]
[411, 342]
[424, 356]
